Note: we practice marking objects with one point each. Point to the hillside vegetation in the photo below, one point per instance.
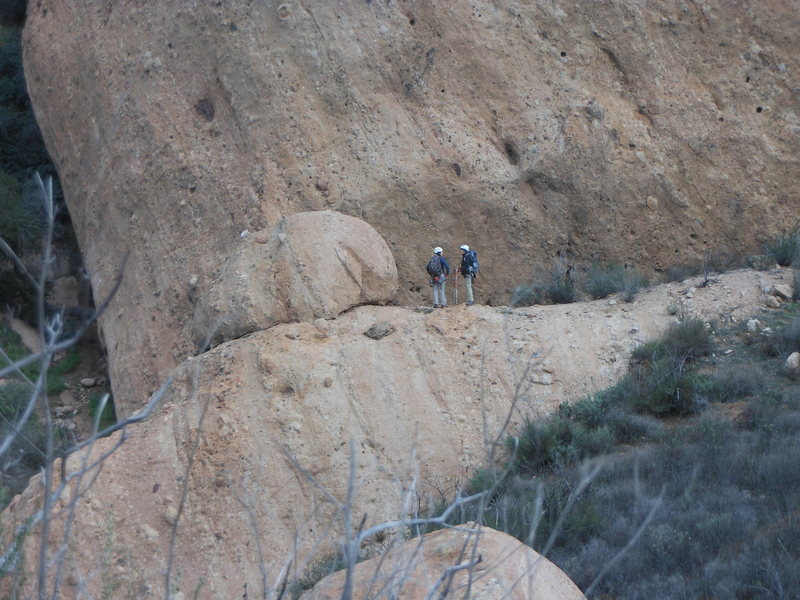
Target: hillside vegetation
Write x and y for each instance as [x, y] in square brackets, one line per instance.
[698, 441]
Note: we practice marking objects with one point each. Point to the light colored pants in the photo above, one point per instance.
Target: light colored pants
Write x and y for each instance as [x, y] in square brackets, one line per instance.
[438, 291]
[468, 287]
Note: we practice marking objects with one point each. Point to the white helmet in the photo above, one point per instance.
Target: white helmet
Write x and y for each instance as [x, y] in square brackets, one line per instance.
[465, 247]
[437, 250]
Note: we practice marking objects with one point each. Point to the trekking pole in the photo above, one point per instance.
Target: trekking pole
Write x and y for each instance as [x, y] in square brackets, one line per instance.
[455, 283]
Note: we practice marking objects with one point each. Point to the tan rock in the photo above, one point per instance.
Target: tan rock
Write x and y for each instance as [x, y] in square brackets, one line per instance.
[316, 265]
[175, 130]
[503, 569]
[277, 411]
[782, 290]
[171, 515]
[792, 364]
[772, 302]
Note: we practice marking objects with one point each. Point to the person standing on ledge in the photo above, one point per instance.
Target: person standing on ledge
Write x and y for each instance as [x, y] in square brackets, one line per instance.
[438, 270]
[469, 269]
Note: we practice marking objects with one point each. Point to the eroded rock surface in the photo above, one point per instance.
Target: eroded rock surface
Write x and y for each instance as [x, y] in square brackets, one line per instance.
[504, 569]
[311, 265]
[277, 408]
[643, 132]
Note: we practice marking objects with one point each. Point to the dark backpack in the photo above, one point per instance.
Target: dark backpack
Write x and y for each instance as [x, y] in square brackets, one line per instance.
[434, 267]
[475, 265]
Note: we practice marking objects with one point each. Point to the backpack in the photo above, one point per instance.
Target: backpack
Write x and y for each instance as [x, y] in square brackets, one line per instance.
[434, 267]
[475, 265]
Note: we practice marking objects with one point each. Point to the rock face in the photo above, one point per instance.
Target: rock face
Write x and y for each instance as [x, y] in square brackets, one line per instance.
[249, 424]
[207, 143]
[311, 265]
[640, 132]
[418, 569]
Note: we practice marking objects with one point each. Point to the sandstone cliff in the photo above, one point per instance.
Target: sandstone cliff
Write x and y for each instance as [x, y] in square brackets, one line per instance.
[644, 132]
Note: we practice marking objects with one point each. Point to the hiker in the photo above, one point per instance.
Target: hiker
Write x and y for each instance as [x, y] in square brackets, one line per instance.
[469, 269]
[438, 270]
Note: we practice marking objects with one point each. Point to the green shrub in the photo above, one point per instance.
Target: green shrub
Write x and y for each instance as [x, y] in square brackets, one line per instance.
[560, 285]
[785, 249]
[682, 342]
[591, 410]
[628, 427]
[484, 480]
[681, 272]
[316, 572]
[603, 279]
[528, 295]
[25, 455]
[108, 416]
[782, 342]
[20, 225]
[556, 286]
[12, 345]
[734, 381]
[664, 387]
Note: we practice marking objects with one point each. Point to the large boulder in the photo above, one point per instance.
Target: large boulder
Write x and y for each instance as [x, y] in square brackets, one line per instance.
[495, 566]
[644, 132]
[311, 265]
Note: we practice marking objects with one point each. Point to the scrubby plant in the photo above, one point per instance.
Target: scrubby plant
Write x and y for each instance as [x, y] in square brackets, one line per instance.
[604, 279]
[738, 380]
[560, 283]
[686, 340]
[682, 271]
[101, 410]
[785, 249]
[783, 342]
[528, 295]
[723, 489]
[554, 286]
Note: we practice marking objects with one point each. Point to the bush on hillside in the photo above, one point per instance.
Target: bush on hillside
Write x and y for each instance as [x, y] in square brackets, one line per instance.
[604, 279]
[556, 286]
[685, 341]
[783, 342]
[785, 249]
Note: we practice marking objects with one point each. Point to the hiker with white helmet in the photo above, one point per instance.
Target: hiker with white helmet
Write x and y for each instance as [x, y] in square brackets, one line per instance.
[438, 270]
[469, 269]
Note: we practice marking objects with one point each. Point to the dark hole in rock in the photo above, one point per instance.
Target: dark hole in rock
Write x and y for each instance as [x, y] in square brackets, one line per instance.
[205, 108]
[563, 53]
[511, 151]
[759, 109]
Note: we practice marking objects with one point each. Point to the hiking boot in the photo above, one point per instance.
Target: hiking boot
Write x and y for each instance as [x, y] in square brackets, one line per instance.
[470, 303]
[435, 306]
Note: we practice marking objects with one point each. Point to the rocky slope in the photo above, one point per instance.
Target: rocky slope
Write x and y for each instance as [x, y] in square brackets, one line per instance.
[643, 132]
[409, 398]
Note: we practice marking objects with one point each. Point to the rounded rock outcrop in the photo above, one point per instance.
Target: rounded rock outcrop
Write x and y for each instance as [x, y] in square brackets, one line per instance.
[311, 265]
[502, 568]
